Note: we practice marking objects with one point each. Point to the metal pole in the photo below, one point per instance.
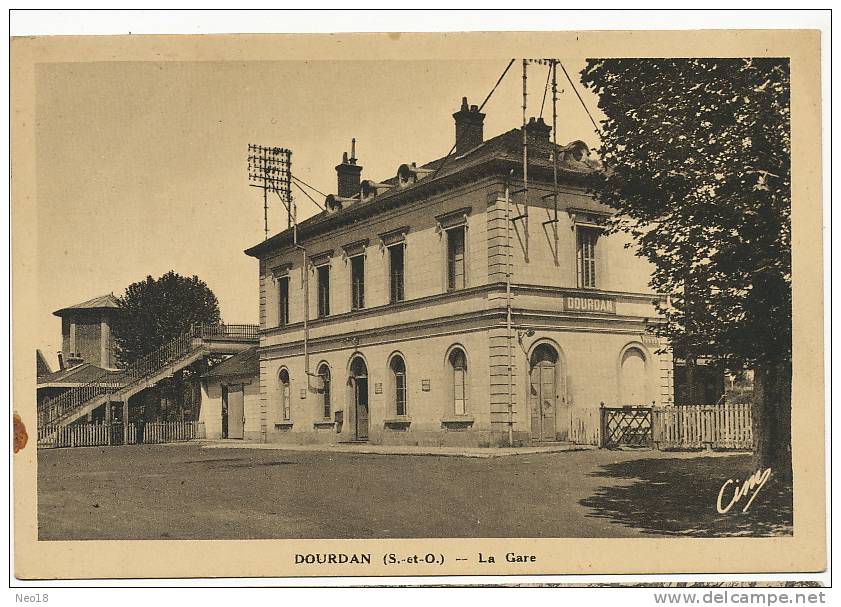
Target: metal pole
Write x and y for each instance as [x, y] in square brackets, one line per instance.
[108, 422]
[555, 144]
[289, 193]
[125, 420]
[508, 319]
[525, 213]
[306, 288]
[525, 137]
[306, 318]
[266, 207]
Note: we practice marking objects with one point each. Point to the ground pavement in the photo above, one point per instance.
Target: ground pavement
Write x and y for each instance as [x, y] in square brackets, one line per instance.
[188, 491]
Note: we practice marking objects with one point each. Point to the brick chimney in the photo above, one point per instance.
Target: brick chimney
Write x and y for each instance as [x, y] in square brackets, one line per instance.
[469, 127]
[537, 130]
[348, 174]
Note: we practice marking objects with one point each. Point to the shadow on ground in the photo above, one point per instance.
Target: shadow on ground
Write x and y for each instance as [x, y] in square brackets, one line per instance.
[669, 497]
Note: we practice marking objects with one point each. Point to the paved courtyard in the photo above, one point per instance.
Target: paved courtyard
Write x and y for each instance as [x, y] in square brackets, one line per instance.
[189, 492]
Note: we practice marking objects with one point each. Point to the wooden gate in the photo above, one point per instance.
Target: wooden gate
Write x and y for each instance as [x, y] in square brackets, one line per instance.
[630, 426]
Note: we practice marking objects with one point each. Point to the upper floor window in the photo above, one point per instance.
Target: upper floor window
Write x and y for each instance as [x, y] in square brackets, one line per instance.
[396, 258]
[398, 372]
[323, 290]
[455, 258]
[324, 375]
[283, 300]
[586, 256]
[357, 281]
[458, 367]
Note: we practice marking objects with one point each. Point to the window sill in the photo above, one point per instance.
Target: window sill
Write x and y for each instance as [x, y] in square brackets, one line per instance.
[398, 423]
[458, 422]
[324, 423]
[284, 425]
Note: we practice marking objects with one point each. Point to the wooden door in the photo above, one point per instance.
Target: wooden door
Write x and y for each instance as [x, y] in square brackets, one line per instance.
[543, 397]
[547, 389]
[548, 400]
[361, 406]
[236, 412]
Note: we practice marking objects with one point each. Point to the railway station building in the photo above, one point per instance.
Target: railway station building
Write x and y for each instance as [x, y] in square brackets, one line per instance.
[459, 302]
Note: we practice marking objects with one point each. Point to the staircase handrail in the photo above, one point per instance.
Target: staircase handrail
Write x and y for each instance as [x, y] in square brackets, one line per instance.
[101, 386]
[141, 369]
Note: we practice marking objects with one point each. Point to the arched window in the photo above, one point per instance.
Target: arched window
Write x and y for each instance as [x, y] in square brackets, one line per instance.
[324, 374]
[633, 380]
[458, 367]
[285, 397]
[398, 372]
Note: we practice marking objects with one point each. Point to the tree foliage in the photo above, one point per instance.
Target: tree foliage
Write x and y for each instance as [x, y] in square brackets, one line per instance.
[156, 311]
[697, 162]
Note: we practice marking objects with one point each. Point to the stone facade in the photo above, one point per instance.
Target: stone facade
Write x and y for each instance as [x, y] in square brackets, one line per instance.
[568, 347]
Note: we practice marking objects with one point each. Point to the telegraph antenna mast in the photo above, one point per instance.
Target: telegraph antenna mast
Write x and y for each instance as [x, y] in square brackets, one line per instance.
[270, 169]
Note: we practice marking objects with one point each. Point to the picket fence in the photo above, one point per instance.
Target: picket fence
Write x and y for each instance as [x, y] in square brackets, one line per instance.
[725, 426]
[584, 426]
[100, 435]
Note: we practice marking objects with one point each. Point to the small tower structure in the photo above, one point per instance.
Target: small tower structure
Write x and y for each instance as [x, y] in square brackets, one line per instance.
[86, 332]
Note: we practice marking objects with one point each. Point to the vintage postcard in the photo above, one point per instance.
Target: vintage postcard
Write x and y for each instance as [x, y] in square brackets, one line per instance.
[418, 304]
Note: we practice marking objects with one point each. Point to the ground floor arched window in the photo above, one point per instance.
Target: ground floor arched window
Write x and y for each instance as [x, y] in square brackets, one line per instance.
[458, 373]
[632, 378]
[285, 395]
[324, 388]
[399, 387]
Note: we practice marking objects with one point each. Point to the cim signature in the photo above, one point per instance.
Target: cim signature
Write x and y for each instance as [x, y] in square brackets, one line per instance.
[754, 483]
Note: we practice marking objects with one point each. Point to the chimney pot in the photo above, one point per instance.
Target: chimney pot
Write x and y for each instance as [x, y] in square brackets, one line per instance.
[469, 127]
[348, 174]
[537, 130]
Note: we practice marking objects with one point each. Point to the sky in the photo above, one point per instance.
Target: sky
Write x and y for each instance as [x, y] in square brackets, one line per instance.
[141, 166]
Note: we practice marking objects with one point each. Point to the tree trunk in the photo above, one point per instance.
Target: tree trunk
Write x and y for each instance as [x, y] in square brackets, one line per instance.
[690, 382]
[771, 414]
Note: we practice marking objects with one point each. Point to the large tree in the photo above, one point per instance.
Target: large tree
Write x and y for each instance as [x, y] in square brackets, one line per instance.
[156, 311]
[697, 164]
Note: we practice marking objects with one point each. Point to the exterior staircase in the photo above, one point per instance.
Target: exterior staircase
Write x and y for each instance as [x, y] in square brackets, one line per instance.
[199, 341]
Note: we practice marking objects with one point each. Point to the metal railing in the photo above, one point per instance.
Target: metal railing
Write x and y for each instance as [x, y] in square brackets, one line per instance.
[233, 332]
[52, 410]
